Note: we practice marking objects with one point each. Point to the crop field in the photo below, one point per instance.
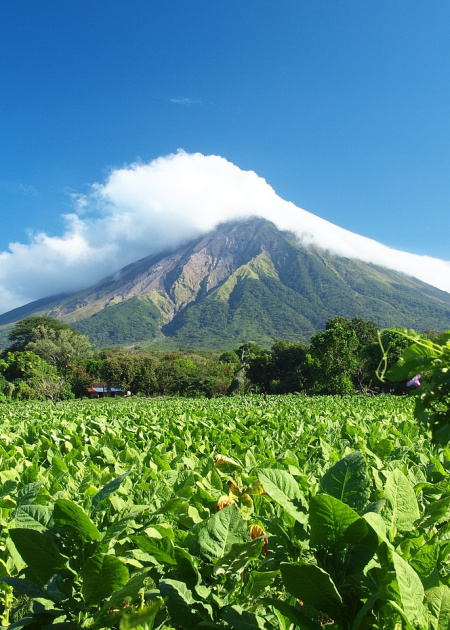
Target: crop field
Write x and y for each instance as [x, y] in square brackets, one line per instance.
[285, 512]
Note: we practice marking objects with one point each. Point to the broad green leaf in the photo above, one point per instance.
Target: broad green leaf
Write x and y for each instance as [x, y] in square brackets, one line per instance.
[40, 621]
[39, 551]
[102, 575]
[294, 614]
[401, 509]
[55, 588]
[109, 455]
[348, 481]
[204, 594]
[28, 493]
[436, 512]
[411, 360]
[313, 586]
[279, 481]
[241, 619]
[33, 517]
[107, 490]
[360, 551]
[15, 556]
[58, 467]
[186, 566]
[172, 505]
[117, 527]
[69, 516]
[376, 506]
[372, 601]
[438, 603]
[383, 448]
[250, 461]
[257, 582]
[282, 487]
[239, 556]
[7, 504]
[179, 602]
[444, 533]
[330, 520]
[131, 588]
[378, 524]
[410, 587]
[162, 549]
[26, 587]
[425, 560]
[143, 616]
[221, 532]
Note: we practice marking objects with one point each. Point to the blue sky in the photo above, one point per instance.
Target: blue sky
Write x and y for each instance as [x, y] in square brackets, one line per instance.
[342, 107]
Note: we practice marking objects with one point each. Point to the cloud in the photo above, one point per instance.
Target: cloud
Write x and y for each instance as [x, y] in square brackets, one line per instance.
[181, 100]
[17, 188]
[145, 208]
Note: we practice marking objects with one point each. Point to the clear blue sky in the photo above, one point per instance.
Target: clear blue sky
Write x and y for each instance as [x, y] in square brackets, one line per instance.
[342, 106]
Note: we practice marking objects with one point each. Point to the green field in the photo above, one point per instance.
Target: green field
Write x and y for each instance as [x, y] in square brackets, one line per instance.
[335, 512]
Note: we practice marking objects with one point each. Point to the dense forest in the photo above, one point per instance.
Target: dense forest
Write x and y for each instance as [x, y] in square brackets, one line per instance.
[48, 359]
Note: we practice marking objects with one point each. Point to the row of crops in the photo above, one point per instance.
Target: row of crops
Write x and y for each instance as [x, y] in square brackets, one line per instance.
[244, 513]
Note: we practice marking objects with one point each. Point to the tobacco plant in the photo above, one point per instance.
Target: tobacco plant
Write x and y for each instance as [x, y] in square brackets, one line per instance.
[279, 513]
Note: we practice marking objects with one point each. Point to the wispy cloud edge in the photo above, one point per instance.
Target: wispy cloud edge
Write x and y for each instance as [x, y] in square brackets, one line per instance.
[182, 100]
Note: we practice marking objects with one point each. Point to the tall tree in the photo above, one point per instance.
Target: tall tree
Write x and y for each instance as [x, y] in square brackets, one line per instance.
[288, 365]
[367, 335]
[334, 360]
[31, 376]
[31, 329]
[61, 348]
[52, 340]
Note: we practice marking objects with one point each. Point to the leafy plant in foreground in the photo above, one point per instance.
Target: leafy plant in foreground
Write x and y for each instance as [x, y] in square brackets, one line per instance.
[348, 525]
[69, 576]
[426, 363]
[374, 565]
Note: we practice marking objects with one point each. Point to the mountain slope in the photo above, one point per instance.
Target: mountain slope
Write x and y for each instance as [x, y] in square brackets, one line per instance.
[243, 281]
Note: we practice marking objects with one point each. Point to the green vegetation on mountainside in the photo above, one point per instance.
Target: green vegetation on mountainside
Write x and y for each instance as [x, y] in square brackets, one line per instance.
[125, 323]
[257, 309]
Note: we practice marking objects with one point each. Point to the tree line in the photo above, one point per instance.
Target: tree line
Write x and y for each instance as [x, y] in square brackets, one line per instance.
[46, 359]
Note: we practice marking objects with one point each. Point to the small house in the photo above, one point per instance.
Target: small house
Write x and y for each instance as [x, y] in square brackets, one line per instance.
[103, 390]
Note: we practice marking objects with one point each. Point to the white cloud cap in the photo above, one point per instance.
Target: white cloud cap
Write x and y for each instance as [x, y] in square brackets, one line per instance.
[142, 209]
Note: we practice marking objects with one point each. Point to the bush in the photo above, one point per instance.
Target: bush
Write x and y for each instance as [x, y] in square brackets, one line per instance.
[426, 366]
